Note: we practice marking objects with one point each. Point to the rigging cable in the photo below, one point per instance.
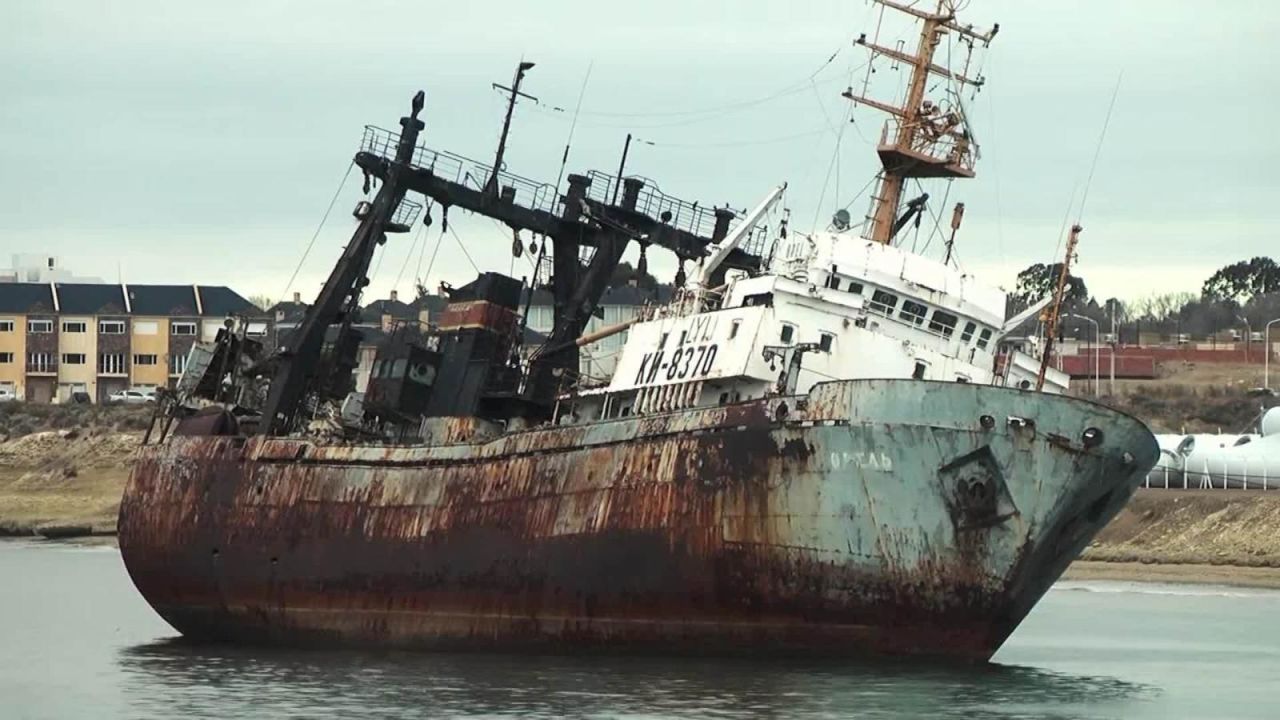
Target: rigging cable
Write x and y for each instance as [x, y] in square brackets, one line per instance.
[1098, 150]
[316, 234]
[464, 250]
[422, 229]
[432, 262]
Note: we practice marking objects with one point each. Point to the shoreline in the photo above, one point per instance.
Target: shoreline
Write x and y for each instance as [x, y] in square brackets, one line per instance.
[1241, 576]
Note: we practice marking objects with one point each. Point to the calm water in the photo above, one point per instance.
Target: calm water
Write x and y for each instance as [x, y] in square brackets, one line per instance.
[76, 641]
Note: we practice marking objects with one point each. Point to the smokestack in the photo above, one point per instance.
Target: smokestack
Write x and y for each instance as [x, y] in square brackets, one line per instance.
[297, 297]
[394, 296]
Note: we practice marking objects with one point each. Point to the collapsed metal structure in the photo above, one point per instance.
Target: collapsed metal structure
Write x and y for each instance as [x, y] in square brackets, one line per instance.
[598, 213]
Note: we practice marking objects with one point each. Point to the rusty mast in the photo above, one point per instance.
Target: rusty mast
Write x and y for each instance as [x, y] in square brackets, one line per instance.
[922, 139]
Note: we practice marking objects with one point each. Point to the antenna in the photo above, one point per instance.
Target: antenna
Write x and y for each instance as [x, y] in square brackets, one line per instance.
[491, 185]
[922, 139]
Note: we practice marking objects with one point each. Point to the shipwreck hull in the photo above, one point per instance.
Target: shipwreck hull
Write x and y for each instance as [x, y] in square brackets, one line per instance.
[884, 516]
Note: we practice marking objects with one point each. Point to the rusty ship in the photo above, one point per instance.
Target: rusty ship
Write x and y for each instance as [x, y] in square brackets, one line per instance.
[821, 446]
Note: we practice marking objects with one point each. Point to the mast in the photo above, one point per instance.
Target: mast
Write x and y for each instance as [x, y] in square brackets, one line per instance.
[297, 363]
[1055, 312]
[921, 139]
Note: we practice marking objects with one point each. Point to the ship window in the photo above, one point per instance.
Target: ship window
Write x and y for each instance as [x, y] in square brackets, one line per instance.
[825, 341]
[788, 332]
[765, 299]
[913, 312]
[962, 379]
[942, 322]
[398, 366]
[376, 371]
[733, 329]
[855, 287]
[918, 373]
[883, 302]
[967, 335]
[984, 338]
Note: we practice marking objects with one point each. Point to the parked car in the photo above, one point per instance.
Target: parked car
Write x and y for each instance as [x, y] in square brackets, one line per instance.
[131, 397]
[7, 395]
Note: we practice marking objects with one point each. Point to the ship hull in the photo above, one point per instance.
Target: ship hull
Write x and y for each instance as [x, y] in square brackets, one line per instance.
[875, 516]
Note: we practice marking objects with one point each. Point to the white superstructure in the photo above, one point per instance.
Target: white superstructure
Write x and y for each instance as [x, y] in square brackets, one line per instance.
[829, 306]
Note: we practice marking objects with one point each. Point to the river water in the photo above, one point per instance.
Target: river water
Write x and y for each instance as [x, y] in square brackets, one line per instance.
[77, 641]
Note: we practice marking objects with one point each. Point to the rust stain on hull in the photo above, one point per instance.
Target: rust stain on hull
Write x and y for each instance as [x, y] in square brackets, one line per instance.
[725, 530]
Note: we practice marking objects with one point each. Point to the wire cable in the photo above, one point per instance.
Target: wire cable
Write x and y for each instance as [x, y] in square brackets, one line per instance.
[316, 234]
[464, 249]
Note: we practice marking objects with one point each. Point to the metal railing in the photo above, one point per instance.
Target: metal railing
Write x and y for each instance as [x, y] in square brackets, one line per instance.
[462, 170]
[930, 142]
[691, 217]
[406, 212]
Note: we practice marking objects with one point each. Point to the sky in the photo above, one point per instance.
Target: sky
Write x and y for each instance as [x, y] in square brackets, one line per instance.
[161, 142]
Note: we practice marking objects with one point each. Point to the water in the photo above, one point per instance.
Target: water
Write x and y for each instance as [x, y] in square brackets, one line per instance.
[77, 641]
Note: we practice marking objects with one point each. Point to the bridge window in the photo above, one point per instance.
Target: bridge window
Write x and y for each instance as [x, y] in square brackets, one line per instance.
[825, 341]
[944, 323]
[967, 335]
[733, 329]
[855, 287]
[788, 333]
[984, 339]
[913, 312]
[883, 302]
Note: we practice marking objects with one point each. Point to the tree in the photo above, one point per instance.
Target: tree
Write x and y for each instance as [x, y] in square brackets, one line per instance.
[262, 302]
[1240, 282]
[1040, 280]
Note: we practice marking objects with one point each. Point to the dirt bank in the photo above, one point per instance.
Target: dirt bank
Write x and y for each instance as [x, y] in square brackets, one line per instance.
[63, 479]
[1194, 527]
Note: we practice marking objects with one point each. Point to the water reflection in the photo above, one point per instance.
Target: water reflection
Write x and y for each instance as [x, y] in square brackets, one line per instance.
[175, 677]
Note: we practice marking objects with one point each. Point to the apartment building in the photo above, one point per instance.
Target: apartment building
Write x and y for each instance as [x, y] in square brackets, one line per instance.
[59, 339]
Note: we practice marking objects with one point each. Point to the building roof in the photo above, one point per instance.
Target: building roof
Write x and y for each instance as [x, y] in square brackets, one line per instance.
[288, 311]
[26, 298]
[221, 300]
[90, 299]
[162, 300]
[103, 299]
[394, 308]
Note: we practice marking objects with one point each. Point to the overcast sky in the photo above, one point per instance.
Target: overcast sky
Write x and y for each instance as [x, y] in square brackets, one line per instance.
[178, 142]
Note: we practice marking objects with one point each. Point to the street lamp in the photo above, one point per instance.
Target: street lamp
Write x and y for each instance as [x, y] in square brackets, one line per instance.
[1266, 354]
[1095, 348]
[1248, 333]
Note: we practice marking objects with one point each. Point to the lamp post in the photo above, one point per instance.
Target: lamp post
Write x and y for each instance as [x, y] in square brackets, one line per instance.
[1248, 332]
[1095, 348]
[1266, 354]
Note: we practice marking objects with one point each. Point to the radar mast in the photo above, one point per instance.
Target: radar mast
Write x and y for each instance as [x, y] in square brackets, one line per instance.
[922, 138]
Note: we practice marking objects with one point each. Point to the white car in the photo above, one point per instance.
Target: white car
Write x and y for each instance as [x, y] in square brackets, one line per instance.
[131, 397]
